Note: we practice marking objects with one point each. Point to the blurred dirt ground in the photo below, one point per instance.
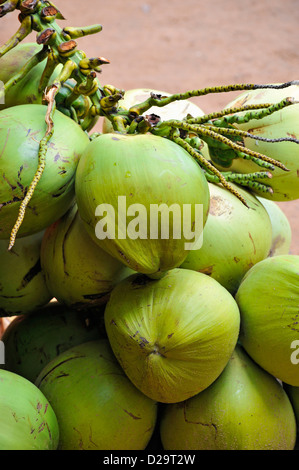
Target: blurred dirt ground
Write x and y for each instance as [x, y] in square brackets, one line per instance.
[179, 45]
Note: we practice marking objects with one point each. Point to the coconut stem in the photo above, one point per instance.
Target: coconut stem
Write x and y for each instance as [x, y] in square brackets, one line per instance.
[207, 165]
[48, 71]
[8, 7]
[248, 179]
[75, 33]
[238, 118]
[22, 32]
[158, 100]
[213, 134]
[240, 133]
[50, 97]
[33, 61]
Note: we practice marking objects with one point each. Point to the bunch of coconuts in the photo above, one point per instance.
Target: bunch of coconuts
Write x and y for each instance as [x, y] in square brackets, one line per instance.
[144, 338]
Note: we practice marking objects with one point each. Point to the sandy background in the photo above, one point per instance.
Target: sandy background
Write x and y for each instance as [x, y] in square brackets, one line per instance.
[178, 45]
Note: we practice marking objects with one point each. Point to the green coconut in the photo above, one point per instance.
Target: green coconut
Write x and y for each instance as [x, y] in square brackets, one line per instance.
[32, 341]
[172, 336]
[21, 129]
[235, 237]
[77, 271]
[27, 420]
[244, 409]
[293, 394]
[281, 228]
[283, 123]
[22, 281]
[143, 199]
[97, 406]
[268, 299]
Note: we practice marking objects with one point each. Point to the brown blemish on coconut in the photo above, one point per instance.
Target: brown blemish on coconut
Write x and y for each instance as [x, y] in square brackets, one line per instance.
[5, 143]
[210, 425]
[295, 324]
[20, 171]
[257, 130]
[58, 365]
[15, 417]
[241, 101]
[208, 270]
[124, 256]
[254, 248]
[7, 203]
[12, 186]
[41, 427]
[131, 414]
[80, 444]
[276, 244]
[219, 206]
[39, 406]
[290, 134]
[31, 274]
[143, 342]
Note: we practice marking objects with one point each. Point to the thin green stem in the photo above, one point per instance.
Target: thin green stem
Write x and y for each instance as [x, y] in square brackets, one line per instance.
[156, 100]
[51, 65]
[75, 33]
[207, 165]
[247, 180]
[226, 113]
[203, 132]
[235, 114]
[239, 133]
[32, 62]
[8, 7]
[40, 167]
[23, 31]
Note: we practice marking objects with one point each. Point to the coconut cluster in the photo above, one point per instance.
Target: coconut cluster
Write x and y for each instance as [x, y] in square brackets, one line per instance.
[133, 343]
